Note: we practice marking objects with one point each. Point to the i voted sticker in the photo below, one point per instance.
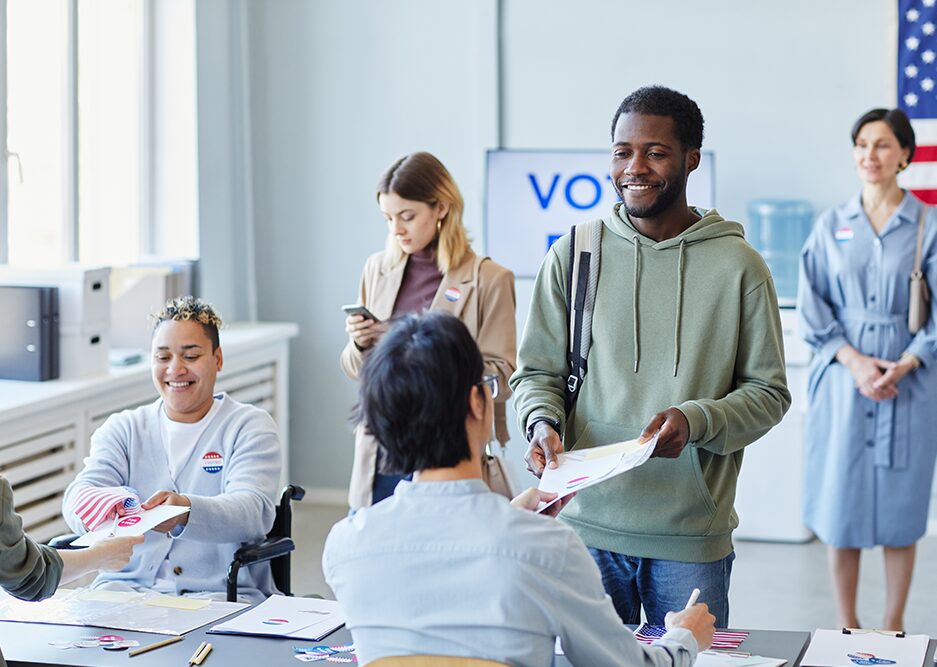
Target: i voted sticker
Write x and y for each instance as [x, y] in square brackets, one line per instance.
[128, 521]
[276, 621]
[844, 234]
[860, 658]
[453, 294]
[212, 462]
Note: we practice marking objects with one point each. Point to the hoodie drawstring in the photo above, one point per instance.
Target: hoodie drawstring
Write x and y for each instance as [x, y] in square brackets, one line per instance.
[634, 303]
[677, 316]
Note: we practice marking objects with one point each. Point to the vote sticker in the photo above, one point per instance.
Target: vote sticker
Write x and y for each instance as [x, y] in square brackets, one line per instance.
[212, 462]
[844, 234]
[453, 294]
[276, 621]
[128, 521]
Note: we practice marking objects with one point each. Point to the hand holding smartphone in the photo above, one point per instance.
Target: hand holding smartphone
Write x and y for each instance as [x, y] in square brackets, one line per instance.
[358, 309]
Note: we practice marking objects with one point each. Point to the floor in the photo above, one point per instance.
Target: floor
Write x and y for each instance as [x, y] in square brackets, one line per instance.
[774, 586]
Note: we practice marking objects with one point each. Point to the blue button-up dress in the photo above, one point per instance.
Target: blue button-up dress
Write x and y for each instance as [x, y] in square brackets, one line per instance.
[869, 465]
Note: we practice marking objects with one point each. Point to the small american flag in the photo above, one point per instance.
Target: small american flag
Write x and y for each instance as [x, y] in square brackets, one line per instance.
[92, 504]
[646, 634]
[917, 92]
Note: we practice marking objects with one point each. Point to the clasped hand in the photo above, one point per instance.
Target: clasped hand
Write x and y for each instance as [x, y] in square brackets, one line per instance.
[876, 379]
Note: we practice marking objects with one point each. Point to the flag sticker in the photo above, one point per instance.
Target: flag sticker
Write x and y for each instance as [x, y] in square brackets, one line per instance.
[453, 294]
[212, 462]
[844, 234]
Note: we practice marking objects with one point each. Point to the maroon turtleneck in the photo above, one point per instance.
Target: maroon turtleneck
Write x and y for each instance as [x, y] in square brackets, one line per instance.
[421, 278]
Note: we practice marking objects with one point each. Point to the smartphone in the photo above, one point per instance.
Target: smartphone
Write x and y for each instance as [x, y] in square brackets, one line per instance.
[358, 309]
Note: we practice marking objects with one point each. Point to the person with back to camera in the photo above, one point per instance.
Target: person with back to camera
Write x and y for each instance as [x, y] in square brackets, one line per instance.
[871, 423]
[445, 566]
[427, 264]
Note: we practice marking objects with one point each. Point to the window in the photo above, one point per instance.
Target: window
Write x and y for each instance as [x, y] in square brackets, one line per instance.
[101, 131]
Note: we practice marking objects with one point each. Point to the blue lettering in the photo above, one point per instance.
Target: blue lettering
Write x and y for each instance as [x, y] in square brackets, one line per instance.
[544, 200]
[583, 177]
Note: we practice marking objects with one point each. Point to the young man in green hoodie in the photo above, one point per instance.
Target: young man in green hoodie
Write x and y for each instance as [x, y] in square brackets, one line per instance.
[686, 342]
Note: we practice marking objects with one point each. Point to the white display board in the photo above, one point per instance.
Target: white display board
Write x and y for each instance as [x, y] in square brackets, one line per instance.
[535, 196]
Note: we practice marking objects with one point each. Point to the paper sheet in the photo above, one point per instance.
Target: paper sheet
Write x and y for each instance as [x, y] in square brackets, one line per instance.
[580, 469]
[134, 524]
[92, 595]
[281, 616]
[71, 607]
[173, 602]
[832, 648]
[727, 659]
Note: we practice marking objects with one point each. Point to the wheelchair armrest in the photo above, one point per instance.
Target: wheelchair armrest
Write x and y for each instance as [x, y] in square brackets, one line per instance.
[64, 541]
[272, 547]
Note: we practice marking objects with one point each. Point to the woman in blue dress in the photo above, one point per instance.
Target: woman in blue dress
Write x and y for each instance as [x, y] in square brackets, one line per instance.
[872, 418]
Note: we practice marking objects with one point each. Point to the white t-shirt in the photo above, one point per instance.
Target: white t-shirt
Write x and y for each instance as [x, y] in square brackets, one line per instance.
[180, 439]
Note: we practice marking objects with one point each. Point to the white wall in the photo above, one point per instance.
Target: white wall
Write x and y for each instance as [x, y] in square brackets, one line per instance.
[339, 90]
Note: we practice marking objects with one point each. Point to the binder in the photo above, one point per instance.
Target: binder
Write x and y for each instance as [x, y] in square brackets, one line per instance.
[29, 348]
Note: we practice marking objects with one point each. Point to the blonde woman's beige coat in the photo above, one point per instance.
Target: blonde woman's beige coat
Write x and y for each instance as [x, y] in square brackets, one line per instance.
[484, 301]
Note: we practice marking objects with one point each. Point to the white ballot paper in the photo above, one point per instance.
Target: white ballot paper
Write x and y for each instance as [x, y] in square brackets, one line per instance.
[864, 648]
[132, 524]
[580, 469]
[281, 616]
[116, 610]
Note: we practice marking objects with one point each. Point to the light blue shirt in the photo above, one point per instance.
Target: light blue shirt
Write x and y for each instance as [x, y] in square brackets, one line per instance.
[870, 464]
[450, 568]
[230, 477]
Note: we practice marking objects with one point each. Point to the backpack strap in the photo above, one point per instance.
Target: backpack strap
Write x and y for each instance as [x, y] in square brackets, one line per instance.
[585, 249]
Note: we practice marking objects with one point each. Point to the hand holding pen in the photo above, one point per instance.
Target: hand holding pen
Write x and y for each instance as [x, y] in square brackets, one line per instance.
[695, 618]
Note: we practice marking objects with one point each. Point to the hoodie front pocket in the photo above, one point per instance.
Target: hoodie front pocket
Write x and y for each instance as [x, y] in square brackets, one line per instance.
[704, 493]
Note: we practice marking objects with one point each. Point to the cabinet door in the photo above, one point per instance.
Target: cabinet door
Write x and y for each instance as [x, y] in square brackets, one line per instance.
[39, 464]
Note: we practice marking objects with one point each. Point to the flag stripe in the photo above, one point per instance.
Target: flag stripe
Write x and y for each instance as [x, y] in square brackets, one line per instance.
[927, 196]
[93, 504]
[925, 154]
[647, 634]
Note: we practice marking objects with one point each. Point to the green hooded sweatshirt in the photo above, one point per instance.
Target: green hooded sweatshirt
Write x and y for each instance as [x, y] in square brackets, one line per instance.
[691, 322]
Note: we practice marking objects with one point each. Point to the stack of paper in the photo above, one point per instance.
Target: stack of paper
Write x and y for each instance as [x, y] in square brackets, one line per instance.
[281, 616]
[581, 469]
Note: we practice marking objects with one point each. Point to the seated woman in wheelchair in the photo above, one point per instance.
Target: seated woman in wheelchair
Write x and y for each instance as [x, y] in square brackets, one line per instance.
[190, 447]
[445, 566]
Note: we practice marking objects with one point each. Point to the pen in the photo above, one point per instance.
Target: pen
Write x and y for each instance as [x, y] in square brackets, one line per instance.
[192, 660]
[159, 644]
[114, 526]
[204, 654]
[694, 596]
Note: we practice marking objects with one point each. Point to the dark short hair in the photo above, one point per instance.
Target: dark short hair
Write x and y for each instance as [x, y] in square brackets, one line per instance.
[188, 308]
[661, 101]
[896, 119]
[414, 392]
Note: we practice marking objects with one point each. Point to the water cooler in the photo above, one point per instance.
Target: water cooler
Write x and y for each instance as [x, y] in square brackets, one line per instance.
[770, 490]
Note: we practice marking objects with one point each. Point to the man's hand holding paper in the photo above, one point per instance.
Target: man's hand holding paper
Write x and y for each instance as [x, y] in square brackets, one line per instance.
[581, 469]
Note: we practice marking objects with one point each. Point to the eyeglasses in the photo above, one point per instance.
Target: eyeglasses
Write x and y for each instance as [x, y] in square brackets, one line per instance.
[492, 382]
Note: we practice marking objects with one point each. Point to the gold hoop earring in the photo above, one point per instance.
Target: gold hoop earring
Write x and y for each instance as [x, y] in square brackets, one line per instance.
[902, 167]
[438, 226]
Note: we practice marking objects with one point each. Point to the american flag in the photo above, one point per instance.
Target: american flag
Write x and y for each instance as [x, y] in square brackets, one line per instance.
[646, 634]
[92, 504]
[917, 92]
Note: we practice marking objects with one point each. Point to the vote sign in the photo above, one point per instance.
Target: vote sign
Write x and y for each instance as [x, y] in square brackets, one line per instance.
[535, 196]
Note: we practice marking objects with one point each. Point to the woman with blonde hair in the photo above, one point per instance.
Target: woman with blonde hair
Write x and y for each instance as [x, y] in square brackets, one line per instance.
[427, 264]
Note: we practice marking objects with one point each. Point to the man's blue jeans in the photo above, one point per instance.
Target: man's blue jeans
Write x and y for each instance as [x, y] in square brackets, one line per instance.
[663, 585]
